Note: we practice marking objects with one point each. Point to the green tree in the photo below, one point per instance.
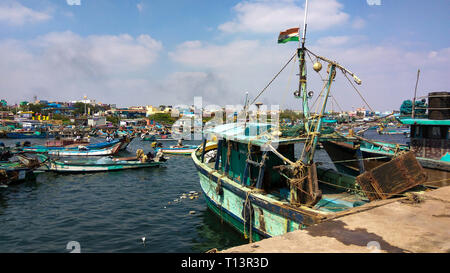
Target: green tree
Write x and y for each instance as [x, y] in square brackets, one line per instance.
[163, 118]
[289, 114]
[113, 119]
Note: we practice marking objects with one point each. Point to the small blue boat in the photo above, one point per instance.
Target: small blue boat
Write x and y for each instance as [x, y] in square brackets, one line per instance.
[22, 135]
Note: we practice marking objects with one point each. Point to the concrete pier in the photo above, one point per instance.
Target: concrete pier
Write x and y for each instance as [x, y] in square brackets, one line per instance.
[399, 226]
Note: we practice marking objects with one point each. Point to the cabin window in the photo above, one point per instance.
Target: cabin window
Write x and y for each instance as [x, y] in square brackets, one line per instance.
[415, 131]
[435, 132]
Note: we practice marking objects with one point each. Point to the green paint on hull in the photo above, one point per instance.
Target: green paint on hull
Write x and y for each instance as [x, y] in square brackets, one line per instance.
[231, 206]
[239, 226]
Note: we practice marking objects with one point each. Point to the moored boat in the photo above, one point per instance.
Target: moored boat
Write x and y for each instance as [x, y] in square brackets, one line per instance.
[102, 164]
[429, 140]
[178, 150]
[256, 182]
[28, 134]
[92, 146]
[83, 151]
[249, 186]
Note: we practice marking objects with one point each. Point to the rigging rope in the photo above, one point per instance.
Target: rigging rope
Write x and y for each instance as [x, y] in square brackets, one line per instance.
[262, 91]
[354, 87]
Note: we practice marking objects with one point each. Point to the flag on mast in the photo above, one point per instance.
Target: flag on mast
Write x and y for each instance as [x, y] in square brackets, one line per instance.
[291, 34]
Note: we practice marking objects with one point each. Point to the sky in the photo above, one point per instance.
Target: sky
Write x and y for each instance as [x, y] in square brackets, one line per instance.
[153, 52]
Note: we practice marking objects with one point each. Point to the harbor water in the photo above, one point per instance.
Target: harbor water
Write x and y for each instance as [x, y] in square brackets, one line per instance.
[112, 211]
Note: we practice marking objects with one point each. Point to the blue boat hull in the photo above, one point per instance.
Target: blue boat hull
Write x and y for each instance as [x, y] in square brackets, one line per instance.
[27, 135]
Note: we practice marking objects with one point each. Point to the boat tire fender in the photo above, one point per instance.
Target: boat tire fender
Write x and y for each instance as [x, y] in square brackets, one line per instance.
[247, 211]
[219, 189]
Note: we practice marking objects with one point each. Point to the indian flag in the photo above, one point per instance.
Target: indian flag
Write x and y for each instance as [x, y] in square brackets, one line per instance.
[291, 34]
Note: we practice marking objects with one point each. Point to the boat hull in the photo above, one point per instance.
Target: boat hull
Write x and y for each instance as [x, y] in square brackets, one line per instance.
[14, 135]
[178, 151]
[94, 152]
[44, 149]
[270, 217]
[10, 176]
[82, 168]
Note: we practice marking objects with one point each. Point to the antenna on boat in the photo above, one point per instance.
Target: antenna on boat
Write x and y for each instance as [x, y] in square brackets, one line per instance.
[304, 25]
[301, 51]
[413, 114]
[245, 109]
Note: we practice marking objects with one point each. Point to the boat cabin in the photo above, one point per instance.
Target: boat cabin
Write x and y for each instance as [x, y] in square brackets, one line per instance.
[243, 156]
[430, 136]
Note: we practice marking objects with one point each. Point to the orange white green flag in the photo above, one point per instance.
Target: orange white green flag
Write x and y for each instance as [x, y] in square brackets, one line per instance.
[291, 34]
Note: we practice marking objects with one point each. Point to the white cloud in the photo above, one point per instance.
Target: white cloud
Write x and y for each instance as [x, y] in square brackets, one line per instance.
[333, 40]
[64, 66]
[73, 2]
[358, 23]
[388, 72]
[266, 16]
[14, 13]
[235, 67]
[140, 7]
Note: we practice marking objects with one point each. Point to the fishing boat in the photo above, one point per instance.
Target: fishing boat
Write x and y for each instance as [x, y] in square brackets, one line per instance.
[256, 182]
[393, 131]
[103, 164]
[156, 137]
[83, 151]
[178, 150]
[429, 141]
[93, 146]
[148, 137]
[28, 134]
[19, 171]
[125, 141]
[14, 173]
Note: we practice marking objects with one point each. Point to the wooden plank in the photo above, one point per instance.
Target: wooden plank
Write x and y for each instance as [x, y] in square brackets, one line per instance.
[396, 176]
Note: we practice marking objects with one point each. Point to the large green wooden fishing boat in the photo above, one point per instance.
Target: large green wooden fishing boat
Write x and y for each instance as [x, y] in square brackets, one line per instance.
[257, 182]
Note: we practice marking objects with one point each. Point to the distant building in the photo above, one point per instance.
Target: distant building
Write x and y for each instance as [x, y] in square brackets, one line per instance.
[25, 114]
[97, 121]
[128, 113]
[151, 110]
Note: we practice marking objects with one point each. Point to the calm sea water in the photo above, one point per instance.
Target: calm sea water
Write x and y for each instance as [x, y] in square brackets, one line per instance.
[112, 211]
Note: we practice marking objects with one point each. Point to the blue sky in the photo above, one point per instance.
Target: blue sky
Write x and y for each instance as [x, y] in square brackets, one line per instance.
[139, 52]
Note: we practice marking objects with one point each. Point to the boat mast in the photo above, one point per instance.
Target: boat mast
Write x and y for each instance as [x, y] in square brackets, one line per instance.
[413, 114]
[302, 75]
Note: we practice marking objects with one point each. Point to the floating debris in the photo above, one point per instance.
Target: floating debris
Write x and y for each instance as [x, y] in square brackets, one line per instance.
[192, 212]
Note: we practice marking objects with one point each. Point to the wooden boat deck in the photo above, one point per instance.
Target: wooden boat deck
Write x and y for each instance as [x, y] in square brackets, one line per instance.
[333, 200]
